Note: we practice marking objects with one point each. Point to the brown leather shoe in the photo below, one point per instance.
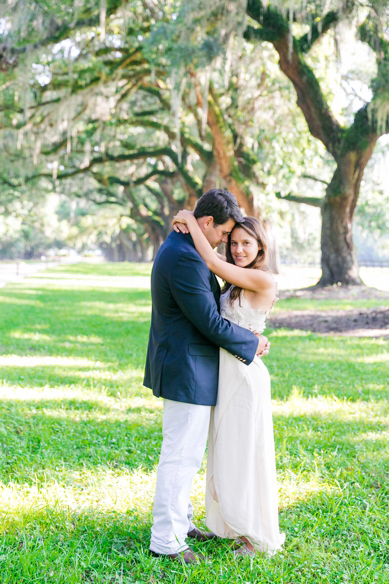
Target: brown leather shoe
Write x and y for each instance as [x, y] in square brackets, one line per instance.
[244, 551]
[201, 535]
[187, 556]
[236, 543]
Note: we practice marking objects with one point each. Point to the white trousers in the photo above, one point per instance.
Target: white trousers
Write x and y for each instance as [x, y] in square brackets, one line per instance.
[185, 431]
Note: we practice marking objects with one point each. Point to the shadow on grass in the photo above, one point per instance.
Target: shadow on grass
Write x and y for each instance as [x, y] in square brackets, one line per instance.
[328, 447]
[352, 369]
[104, 380]
[115, 269]
[347, 518]
[59, 545]
[112, 327]
[44, 441]
[106, 326]
[47, 437]
[43, 436]
[328, 537]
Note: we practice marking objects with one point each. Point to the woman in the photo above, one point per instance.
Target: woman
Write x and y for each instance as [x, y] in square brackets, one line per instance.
[241, 492]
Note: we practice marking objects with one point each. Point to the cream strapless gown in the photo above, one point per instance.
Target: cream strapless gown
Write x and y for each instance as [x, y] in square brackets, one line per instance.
[241, 491]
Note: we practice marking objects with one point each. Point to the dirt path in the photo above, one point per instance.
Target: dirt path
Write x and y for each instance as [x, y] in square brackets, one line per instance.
[363, 322]
[15, 271]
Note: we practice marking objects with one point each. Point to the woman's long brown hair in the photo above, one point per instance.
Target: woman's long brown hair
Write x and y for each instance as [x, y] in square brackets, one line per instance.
[253, 227]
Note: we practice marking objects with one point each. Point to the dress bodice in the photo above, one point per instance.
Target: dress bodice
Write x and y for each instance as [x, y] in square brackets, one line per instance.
[242, 314]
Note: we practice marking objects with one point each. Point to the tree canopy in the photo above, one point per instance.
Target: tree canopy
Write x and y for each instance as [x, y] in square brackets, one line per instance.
[145, 105]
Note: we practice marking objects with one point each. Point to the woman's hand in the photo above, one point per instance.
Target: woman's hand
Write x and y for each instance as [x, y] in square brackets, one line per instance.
[180, 221]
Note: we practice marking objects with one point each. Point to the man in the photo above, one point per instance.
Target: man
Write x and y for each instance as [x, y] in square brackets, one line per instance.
[183, 364]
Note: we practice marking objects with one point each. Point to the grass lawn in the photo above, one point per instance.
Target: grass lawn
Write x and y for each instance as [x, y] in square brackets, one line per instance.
[80, 439]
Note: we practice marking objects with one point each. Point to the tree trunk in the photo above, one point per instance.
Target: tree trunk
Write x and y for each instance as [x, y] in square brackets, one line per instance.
[224, 154]
[350, 147]
[156, 237]
[115, 253]
[142, 250]
[223, 149]
[129, 252]
[338, 257]
[211, 176]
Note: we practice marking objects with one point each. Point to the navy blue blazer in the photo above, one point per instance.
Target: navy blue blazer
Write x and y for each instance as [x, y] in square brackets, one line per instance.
[186, 327]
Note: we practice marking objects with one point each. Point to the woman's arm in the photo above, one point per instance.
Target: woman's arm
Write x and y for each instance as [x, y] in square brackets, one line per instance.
[256, 280]
[183, 228]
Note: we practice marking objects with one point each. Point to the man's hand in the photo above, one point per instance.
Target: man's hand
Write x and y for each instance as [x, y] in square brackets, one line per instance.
[263, 345]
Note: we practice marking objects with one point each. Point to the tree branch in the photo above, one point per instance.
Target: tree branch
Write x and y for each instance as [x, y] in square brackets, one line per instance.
[321, 122]
[318, 29]
[152, 90]
[312, 201]
[137, 213]
[377, 109]
[192, 182]
[139, 154]
[186, 139]
[112, 180]
[315, 178]
[362, 133]
[9, 56]
[6, 181]
[110, 197]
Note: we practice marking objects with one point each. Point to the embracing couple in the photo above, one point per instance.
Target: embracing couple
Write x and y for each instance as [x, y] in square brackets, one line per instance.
[204, 350]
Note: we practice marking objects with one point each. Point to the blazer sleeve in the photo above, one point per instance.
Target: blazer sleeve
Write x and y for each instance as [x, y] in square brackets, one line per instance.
[191, 289]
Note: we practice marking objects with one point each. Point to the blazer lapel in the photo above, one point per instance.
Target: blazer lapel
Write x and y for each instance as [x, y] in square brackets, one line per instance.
[215, 289]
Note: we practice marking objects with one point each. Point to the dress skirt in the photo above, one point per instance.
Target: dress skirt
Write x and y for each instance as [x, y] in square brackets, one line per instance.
[241, 491]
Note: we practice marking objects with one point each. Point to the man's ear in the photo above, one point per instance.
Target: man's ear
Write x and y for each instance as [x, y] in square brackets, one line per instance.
[205, 222]
[208, 222]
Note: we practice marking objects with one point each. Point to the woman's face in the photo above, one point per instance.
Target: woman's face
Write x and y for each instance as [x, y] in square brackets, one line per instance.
[244, 247]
